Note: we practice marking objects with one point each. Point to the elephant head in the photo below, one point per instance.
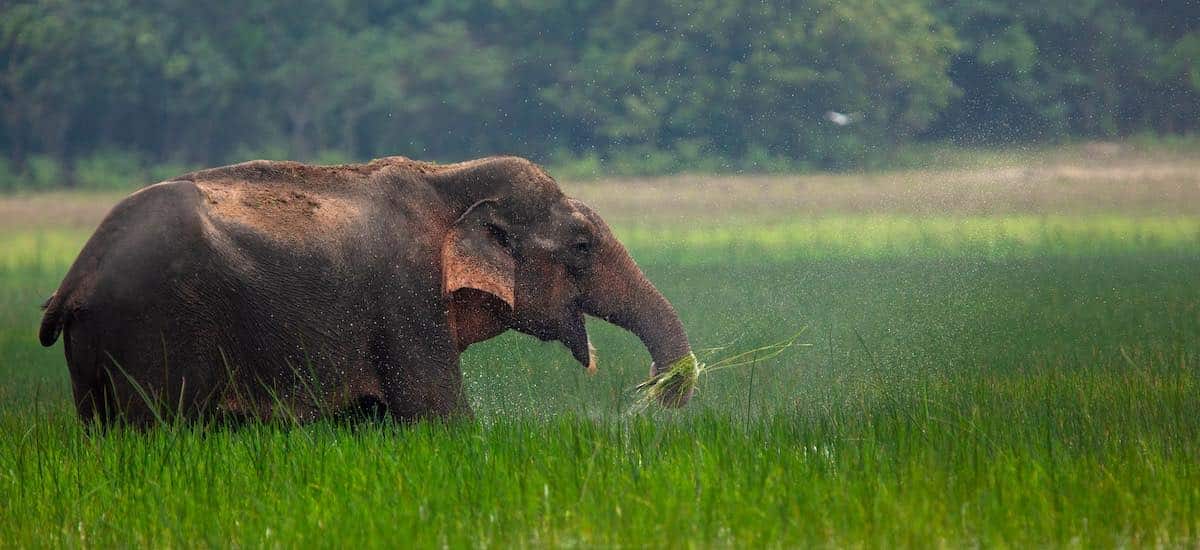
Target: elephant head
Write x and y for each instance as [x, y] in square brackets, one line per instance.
[522, 255]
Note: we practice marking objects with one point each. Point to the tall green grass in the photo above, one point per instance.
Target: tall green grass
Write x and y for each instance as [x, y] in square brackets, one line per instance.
[955, 392]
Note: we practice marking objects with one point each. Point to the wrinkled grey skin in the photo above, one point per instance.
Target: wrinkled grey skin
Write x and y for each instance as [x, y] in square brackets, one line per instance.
[269, 288]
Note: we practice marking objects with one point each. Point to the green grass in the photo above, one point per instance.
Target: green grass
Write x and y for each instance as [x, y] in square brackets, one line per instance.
[969, 381]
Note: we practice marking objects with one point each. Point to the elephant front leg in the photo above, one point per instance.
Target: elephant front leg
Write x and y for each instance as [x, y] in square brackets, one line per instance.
[425, 384]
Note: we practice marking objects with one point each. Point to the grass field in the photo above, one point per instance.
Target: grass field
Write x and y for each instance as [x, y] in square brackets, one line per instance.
[1000, 355]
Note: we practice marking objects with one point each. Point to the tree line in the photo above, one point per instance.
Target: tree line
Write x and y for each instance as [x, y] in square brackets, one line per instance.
[707, 84]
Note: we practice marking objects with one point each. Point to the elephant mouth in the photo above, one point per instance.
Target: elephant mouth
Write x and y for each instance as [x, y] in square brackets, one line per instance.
[571, 331]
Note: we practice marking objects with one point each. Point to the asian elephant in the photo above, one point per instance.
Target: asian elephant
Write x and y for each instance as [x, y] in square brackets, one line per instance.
[273, 287]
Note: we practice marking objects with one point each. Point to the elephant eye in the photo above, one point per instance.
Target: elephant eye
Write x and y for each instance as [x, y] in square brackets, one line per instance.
[499, 234]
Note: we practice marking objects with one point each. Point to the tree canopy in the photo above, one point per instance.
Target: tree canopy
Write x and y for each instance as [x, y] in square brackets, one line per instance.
[712, 84]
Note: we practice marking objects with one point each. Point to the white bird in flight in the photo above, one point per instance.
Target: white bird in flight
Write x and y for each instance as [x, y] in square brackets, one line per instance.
[841, 119]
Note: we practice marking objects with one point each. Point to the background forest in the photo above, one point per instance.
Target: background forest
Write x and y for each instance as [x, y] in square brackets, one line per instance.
[114, 93]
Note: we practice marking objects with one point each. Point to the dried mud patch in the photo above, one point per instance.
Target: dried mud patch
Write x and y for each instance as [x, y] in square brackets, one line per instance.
[284, 214]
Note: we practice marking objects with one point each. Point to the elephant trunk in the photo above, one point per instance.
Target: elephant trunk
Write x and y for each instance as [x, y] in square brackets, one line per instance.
[626, 298]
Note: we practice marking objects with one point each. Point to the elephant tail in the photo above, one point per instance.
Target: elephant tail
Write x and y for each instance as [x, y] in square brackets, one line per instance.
[52, 320]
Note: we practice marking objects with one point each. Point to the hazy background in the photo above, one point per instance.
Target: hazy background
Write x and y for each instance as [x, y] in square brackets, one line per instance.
[115, 93]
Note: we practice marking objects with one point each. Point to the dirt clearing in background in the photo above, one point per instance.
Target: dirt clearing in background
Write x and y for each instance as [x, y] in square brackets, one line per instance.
[1093, 178]
[1086, 180]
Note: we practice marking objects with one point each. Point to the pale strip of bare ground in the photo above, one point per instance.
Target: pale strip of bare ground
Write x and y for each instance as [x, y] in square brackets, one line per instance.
[1094, 178]
[1102, 178]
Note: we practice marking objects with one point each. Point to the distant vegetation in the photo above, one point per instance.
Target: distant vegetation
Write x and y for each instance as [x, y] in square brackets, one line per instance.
[100, 93]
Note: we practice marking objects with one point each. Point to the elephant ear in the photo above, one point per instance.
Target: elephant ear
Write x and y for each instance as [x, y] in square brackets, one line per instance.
[475, 256]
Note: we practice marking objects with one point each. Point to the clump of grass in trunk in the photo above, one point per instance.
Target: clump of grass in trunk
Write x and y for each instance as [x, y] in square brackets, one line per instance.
[674, 384]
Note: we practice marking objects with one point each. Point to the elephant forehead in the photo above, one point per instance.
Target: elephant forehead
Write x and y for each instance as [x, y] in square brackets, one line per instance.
[537, 214]
[562, 213]
[578, 220]
[539, 242]
[556, 227]
[529, 182]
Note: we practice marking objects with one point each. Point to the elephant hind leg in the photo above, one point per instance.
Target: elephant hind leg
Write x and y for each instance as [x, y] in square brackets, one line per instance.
[91, 402]
[107, 392]
[93, 399]
[106, 402]
[103, 401]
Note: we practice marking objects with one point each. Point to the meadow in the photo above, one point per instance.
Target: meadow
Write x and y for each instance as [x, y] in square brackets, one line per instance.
[999, 354]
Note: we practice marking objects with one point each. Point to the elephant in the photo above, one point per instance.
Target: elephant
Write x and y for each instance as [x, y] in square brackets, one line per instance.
[271, 289]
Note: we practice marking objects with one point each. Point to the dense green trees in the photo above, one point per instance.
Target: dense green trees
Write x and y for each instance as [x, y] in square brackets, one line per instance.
[1030, 69]
[710, 84]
